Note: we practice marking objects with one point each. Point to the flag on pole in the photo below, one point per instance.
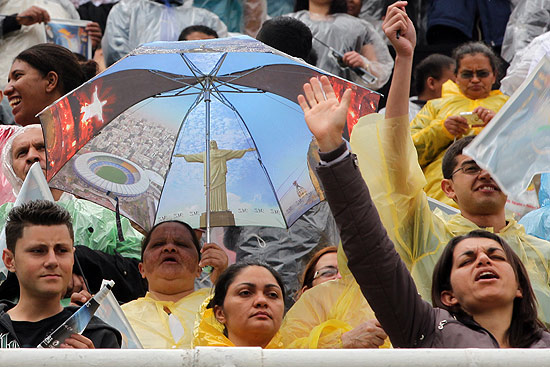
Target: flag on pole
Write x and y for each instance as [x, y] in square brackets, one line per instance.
[515, 145]
[35, 187]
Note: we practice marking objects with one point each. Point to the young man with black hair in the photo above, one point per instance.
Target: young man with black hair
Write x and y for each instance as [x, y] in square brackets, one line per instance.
[39, 241]
[290, 36]
[429, 76]
[197, 32]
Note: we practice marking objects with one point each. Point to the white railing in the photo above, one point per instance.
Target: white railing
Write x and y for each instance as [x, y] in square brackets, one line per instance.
[256, 357]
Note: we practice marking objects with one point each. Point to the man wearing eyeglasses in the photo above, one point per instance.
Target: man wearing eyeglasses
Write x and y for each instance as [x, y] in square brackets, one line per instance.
[388, 162]
[441, 121]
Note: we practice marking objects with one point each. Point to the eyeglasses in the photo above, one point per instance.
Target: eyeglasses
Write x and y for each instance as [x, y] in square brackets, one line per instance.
[469, 169]
[326, 272]
[467, 74]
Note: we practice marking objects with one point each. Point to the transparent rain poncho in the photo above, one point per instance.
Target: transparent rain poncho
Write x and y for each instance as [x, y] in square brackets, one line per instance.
[524, 62]
[94, 226]
[529, 19]
[345, 33]
[389, 164]
[537, 222]
[15, 42]
[133, 22]
[6, 191]
[323, 313]
[241, 16]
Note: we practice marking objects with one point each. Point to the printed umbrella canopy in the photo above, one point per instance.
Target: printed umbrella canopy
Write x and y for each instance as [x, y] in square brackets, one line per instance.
[136, 135]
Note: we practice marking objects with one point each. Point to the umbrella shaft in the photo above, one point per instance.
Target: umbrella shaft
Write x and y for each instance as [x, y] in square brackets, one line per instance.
[207, 114]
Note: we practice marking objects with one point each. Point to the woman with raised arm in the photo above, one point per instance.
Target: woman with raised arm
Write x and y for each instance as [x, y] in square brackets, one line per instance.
[481, 292]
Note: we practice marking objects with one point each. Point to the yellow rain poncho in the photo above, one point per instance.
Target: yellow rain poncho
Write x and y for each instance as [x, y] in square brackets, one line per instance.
[150, 320]
[209, 331]
[388, 163]
[323, 313]
[432, 139]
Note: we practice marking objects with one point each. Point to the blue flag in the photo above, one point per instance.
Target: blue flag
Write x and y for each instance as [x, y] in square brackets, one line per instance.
[515, 145]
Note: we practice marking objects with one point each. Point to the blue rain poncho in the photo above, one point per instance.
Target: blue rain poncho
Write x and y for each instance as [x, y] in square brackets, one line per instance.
[537, 222]
[240, 16]
[345, 33]
[133, 22]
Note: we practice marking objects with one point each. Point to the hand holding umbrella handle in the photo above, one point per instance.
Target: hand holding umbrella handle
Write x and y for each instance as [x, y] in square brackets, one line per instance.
[324, 114]
[215, 258]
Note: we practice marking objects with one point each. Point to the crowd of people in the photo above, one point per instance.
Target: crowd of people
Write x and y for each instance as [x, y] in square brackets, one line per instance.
[399, 274]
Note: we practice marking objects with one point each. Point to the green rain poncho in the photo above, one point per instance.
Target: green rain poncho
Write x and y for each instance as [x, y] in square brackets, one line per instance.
[94, 227]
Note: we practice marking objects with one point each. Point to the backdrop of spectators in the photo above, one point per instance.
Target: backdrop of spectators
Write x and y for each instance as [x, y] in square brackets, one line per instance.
[529, 19]
[133, 22]
[240, 16]
[290, 36]
[357, 40]
[429, 76]
[439, 123]
[96, 11]
[40, 75]
[453, 22]
[279, 7]
[524, 62]
[197, 32]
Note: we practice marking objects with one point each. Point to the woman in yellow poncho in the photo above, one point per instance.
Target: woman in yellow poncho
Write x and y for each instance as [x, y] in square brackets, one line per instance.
[439, 123]
[246, 309]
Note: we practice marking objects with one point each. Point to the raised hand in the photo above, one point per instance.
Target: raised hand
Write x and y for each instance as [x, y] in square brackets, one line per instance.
[33, 15]
[324, 114]
[94, 31]
[396, 20]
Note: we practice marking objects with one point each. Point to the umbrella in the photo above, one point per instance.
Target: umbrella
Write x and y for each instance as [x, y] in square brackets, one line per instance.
[136, 136]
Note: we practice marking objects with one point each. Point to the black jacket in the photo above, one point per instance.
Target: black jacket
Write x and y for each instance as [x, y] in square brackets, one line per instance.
[100, 333]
